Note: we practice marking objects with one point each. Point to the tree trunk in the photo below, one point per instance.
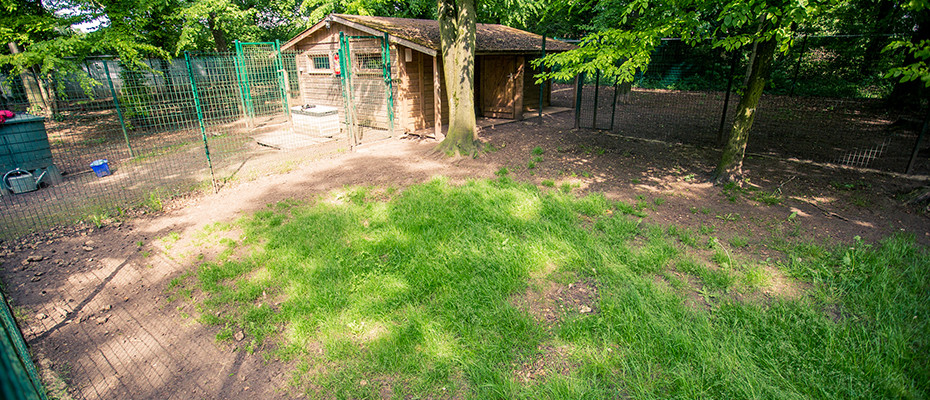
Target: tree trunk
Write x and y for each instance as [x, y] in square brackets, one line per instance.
[907, 95]
[30, 81]
[457, 37]
[730, 167]
[219, 37]
[877, 40]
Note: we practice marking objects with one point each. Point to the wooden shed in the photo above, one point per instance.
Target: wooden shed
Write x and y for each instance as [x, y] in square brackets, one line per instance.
[504, 83]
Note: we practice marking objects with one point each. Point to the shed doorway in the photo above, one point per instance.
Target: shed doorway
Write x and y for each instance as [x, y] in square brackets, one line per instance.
[498, 86]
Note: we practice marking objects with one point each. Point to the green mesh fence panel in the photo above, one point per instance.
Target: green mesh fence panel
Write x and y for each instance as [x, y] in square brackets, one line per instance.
[145, 123]
[19, 379]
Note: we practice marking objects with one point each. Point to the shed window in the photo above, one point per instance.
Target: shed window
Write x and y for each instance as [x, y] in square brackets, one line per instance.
[319, 62]
[369, 62]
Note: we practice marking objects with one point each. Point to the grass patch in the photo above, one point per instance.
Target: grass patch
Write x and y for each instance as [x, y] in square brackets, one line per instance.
[732, 191]
[739, 241]
[416, 292]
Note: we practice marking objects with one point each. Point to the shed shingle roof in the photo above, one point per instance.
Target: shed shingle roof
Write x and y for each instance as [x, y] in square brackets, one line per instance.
[490, 38]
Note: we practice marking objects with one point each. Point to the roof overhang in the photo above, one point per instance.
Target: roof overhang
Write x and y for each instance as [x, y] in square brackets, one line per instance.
[330, 19]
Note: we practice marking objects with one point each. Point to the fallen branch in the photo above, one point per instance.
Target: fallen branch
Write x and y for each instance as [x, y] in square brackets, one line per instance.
[823, 210]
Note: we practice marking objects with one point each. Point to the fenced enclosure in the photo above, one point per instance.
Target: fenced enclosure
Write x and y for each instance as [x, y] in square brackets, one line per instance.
[822, 104]
[193, 123]
[174, 127]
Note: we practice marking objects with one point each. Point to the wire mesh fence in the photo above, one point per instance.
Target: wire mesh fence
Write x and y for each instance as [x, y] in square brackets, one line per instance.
[177, 126]
[19, 378]
[822, 104]
[190, 124]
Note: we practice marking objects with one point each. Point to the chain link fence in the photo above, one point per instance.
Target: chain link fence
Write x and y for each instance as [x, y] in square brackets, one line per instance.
[177, 126]
[825, 102]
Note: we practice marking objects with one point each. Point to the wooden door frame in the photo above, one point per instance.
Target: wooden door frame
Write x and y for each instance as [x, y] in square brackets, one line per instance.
[513, 74]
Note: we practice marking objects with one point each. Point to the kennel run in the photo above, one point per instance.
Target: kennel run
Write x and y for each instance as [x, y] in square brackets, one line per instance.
[393, 65]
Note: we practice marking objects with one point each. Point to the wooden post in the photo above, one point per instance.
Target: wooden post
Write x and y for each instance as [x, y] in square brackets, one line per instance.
[542, 68]
[421, 87]
[437, 100]
[402, 91]
[518, 89]
[478, 112]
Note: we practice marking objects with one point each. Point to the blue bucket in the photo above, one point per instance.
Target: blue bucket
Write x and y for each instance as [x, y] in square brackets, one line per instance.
[100, 167]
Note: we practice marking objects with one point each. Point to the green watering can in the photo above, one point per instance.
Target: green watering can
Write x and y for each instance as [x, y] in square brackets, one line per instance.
[21, 181]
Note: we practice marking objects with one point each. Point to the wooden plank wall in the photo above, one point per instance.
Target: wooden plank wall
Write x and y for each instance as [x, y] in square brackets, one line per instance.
[415, 93]
[413, 84]
[531, 88]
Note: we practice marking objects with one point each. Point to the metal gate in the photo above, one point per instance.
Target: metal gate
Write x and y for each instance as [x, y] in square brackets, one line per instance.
[263, 83]
[367, 87]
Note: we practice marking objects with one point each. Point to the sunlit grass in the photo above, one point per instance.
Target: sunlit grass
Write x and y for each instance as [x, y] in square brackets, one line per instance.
[415, 291]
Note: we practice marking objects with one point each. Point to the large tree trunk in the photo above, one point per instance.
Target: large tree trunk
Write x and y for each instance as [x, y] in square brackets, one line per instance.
[877, 40]
[730, 167]
[31, 84]
[219, 37]
[457, 36]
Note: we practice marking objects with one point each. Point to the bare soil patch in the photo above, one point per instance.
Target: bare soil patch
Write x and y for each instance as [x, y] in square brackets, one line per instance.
[550, 359]
[549, 302]
[102, 318]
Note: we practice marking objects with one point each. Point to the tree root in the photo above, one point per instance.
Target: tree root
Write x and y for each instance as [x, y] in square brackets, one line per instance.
[921, 197]
[466, 148]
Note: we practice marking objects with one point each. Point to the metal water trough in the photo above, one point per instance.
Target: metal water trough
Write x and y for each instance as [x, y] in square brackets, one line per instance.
[318, 121]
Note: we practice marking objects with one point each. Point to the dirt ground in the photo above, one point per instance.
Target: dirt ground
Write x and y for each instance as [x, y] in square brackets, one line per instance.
[92, 300]
[853, 132]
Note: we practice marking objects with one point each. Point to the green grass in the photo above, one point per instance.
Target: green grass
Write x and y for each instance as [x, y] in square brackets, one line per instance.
[733, 192]
[739, 241]
[421, 291]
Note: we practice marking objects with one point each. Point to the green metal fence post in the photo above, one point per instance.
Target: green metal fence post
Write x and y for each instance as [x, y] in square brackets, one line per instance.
[203, 129]
[345, 72]
[239, 67]
[389, 82]
[119, 111]
[246, 88]
[282, 78]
